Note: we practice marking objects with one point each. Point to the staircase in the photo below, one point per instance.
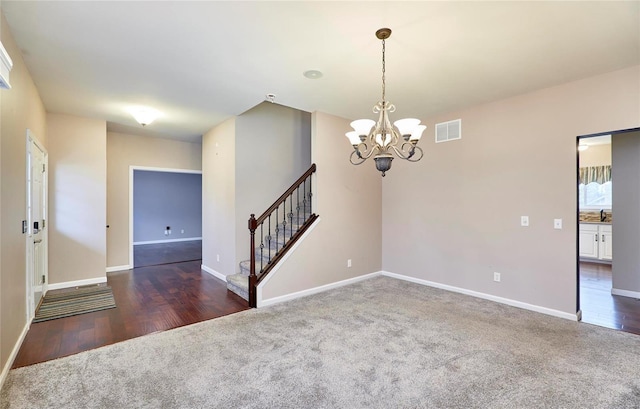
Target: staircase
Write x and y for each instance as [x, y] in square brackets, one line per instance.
[273, 234]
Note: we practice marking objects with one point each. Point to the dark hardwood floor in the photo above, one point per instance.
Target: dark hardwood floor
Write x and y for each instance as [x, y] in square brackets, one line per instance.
[165, 253]
[601, 308]
[148, 299]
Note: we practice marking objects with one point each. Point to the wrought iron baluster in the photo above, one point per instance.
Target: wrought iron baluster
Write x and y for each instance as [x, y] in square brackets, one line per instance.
[291, 215]
[277, 230]
[304, 198]
[261, 246]
[310, 194]
[298, 202]
[284, 222]
[270, 237]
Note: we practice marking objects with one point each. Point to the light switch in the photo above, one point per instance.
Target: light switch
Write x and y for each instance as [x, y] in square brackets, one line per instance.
[557, 224]
[524, 221]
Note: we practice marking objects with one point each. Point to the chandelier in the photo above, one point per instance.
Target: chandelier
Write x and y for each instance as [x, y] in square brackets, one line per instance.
[381, 139]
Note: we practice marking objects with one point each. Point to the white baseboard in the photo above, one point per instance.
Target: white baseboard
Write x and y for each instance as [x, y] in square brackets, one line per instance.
[14, 353]
[596, 260]
[118, 268]
[519, 304]
[213, 273]
[77, 283]
[315, 290]
[625, 293]
[501, 300]
[135, 243]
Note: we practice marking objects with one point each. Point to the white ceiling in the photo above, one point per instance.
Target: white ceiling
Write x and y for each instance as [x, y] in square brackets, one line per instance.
[596, 140]
[202, 62]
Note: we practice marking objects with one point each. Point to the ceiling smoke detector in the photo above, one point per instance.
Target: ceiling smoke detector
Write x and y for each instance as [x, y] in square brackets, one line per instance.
[271, 98]
[313, 74]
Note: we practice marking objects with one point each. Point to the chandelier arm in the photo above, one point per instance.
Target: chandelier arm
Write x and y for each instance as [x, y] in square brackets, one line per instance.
[367, 152]
[359, 159]
[400, 153]
[408, 154]
[414, 157]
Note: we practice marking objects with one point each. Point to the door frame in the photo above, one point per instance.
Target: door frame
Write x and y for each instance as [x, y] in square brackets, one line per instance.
[132, 169]
[31, 139]
[578, 139]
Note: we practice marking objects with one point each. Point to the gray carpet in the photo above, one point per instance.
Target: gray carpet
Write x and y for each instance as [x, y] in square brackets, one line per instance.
[381, 343]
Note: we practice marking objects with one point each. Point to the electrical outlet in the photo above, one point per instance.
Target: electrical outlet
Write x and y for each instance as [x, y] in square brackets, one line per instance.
[496, 277]
[349, 263]
[169, 231]
[217, 257]
[182, 231]
[524, 221]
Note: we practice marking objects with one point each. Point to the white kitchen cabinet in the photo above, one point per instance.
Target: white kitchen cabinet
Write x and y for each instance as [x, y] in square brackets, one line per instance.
[605, 249]
[596, 241]
[588, 235]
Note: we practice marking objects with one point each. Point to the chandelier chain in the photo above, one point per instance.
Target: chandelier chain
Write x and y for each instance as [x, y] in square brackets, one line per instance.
[383, 72]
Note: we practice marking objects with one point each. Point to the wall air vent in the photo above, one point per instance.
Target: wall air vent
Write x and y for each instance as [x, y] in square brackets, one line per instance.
[449, 131]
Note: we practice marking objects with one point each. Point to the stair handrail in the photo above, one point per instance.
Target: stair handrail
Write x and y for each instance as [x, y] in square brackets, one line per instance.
[253, 226]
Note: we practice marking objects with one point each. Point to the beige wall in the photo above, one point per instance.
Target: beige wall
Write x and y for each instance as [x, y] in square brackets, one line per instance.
[625, 174]
[124, 151]
[21, 109]
[348, 201]
[218, 198]
[597, 155]
[77, 198]
[454, 217]
[273, 149]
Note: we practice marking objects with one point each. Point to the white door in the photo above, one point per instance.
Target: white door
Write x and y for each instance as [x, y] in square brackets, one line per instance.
[588, 239]
[36, 223]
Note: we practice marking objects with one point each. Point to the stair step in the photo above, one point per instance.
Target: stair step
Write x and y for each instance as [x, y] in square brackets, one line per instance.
[245, 266]
[238, 284]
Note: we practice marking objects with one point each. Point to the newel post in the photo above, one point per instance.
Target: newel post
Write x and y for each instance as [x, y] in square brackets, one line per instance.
[253, 225]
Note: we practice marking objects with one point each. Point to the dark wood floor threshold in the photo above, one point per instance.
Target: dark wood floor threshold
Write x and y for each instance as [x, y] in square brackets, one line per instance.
[148, 300]
[601, 308]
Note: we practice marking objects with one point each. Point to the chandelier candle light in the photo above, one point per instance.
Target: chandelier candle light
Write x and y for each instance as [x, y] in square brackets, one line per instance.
[380, 139]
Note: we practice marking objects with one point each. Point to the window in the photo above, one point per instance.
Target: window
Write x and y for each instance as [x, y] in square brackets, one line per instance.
[595, 195]
[595, 187]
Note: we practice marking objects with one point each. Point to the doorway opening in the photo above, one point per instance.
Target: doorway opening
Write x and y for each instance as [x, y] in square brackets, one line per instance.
[608, 198]
[165, 216]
